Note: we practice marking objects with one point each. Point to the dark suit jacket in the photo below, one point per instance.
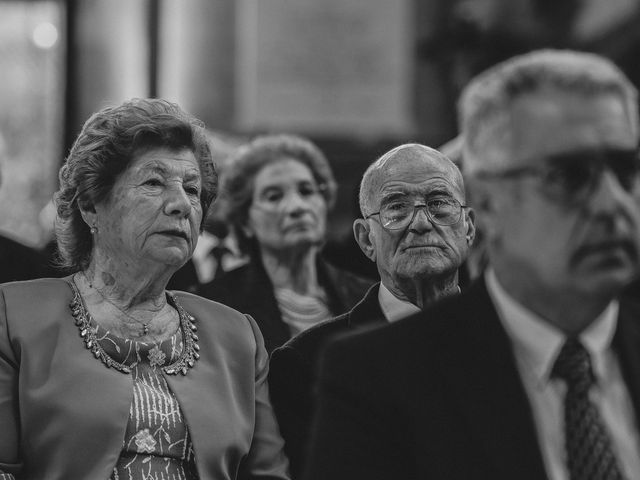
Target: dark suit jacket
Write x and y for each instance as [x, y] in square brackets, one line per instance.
[293, 372]
[437, 398]
[249, 290]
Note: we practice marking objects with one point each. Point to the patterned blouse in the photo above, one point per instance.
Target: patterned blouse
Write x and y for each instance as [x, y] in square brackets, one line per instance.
[157, 445]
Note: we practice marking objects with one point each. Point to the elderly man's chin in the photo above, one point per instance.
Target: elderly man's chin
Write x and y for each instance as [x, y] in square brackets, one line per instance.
[422, 266]
[606, 276]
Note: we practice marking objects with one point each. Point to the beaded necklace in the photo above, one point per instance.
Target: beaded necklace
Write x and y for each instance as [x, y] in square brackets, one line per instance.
[83, 320]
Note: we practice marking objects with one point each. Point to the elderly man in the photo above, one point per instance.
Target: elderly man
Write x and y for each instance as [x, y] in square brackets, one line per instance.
[534, 372]
[417, 230]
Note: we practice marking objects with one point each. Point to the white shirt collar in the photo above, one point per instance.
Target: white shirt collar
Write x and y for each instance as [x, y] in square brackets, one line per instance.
[394, 308]
[538, 343]
[206, 241]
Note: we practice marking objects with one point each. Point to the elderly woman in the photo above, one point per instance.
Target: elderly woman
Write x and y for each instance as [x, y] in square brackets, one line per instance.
[275, 193]
[104, 373]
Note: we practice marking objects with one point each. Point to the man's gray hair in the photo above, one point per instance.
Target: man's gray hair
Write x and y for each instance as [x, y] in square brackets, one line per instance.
[487, 99]
[370, 174]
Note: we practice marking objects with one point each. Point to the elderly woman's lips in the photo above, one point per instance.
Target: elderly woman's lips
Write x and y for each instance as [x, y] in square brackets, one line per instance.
[299, 225]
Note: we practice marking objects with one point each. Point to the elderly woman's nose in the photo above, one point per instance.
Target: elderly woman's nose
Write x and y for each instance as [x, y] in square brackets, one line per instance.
[295, 202]
[177, 201]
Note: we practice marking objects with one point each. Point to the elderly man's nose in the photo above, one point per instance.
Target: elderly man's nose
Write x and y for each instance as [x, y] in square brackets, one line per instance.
[610, 195]
[421, 220]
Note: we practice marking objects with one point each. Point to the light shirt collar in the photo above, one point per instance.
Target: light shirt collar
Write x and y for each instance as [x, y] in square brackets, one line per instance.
[394, 308]
[537, 343]
[206, 241]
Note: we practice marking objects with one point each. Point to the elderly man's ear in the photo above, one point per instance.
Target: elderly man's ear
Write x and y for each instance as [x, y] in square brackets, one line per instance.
[362, 233]
[488, 210]
[470, 217]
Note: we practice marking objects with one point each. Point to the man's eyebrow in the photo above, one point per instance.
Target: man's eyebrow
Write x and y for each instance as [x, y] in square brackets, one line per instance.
[439, 192]
[394, 195]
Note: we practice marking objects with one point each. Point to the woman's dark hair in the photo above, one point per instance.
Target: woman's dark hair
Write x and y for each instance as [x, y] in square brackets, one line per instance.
[104, 149]
[238, 178]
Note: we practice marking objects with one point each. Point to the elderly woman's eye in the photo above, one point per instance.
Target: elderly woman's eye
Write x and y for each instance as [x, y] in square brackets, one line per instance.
[192, 189]
[307, 189]
[153, 182]
[272, 196]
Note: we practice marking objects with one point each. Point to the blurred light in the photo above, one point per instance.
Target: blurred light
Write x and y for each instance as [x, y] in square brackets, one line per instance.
[45, 35]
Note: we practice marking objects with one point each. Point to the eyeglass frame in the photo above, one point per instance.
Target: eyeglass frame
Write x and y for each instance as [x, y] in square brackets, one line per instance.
[422, 206]
[598, 161]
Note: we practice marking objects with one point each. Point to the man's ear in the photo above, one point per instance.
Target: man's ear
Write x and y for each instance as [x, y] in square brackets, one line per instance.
[485, 208]
[362, 233]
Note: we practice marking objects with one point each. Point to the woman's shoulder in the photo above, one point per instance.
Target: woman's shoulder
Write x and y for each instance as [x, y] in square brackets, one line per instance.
[235, 286]
[38, 290]
[31, 308]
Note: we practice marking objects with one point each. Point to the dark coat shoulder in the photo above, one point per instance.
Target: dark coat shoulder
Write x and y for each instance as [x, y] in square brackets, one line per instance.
[293, 374]
[250, 290]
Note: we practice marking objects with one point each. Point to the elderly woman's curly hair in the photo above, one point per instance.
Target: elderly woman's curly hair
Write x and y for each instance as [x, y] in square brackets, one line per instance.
[104, 149]
[237, 179]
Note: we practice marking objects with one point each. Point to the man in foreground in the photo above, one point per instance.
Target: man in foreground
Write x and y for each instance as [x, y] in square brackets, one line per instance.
[535, 371]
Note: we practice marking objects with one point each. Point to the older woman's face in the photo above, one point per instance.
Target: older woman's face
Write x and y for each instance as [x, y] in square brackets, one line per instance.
[153, 212]
[288, 210]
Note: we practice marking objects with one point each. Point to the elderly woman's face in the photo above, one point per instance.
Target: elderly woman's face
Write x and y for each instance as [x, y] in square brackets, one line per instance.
[153, 212]
[288, 210]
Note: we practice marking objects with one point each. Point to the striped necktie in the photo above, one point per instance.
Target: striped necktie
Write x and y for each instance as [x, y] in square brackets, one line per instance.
[590, 454]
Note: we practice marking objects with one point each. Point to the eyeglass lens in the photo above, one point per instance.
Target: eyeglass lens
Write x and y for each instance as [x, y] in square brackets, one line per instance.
[575, 175]
[442, 211]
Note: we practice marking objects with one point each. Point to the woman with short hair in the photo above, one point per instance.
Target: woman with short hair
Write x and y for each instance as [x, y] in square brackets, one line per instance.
[104, 373]
[275, 193]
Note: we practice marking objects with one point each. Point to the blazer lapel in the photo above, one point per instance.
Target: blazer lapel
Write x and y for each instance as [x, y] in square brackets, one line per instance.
[626, 343]
[483, 374]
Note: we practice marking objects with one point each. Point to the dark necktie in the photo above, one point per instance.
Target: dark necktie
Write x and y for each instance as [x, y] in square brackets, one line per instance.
[218, 252]
[590, 454]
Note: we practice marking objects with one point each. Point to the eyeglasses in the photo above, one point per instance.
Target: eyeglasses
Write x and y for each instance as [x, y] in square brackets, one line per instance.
[573, 177]
[399, 213]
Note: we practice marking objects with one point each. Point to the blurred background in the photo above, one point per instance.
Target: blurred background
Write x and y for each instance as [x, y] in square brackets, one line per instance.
[356, 76]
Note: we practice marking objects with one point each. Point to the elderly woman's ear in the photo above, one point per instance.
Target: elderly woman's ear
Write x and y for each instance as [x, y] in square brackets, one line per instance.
[88, 213]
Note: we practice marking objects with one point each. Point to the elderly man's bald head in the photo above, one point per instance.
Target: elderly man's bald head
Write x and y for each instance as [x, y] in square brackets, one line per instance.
[401, 158]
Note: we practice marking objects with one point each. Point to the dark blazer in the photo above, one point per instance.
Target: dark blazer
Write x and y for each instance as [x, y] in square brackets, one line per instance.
[249, 290]
[293, 372]
[437, 398]
[63, 413]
